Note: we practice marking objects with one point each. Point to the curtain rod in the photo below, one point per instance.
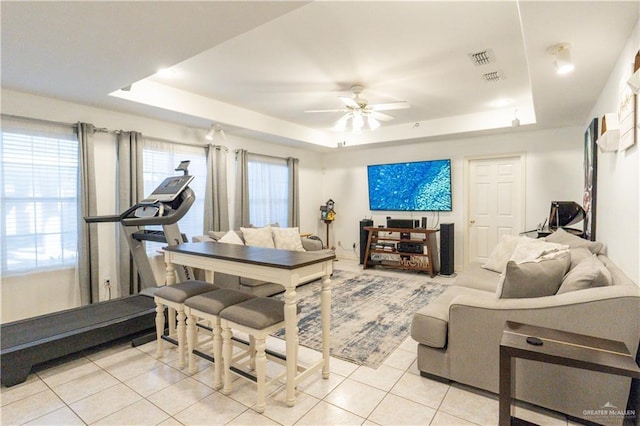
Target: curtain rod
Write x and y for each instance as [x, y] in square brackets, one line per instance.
[181, 142]
[102, 130]
[56, 123]
[263, 155]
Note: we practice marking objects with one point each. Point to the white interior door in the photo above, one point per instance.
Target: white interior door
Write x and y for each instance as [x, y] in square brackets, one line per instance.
[495, 203]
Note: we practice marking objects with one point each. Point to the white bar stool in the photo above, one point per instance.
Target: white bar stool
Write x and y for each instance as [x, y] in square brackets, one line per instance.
[207, 307]
[173, 297]
[257, 317]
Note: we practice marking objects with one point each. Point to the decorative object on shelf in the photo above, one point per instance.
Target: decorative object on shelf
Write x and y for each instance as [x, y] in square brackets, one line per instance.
[627, 118]
[590, 179]
[328, 215]
[609, 133]
[634, 81]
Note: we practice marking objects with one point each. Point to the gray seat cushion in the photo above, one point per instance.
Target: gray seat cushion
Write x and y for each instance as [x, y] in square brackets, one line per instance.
[213, 302]
[180, 292]
[475, 276]
[257, 313]
[430, 324]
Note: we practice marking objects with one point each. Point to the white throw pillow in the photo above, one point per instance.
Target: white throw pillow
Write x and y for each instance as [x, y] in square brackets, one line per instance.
[258, 237]
[287, 239]
[501, 253]
[531, 250]
[231, 237]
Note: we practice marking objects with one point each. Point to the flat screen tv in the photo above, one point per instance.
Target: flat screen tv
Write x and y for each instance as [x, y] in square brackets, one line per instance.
[415, 186]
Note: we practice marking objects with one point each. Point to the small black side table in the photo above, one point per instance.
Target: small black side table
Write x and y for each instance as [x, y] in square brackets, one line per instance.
[558, 347]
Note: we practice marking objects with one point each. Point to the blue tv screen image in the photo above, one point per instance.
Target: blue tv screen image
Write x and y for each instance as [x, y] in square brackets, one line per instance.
[415, 186]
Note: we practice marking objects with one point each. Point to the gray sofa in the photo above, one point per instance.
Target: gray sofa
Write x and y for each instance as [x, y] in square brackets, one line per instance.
[459, 333]
[256, 287]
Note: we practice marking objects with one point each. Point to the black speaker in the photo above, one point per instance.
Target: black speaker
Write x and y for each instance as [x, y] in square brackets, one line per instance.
[446, 248]
[364, 237]
[402, 223]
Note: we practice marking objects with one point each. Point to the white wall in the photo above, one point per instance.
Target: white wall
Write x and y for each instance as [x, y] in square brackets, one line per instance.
[34, 294]
[553, 172]
[618, 218]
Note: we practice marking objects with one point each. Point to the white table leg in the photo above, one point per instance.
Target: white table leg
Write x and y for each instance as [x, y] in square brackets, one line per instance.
[170, 277]
[291, 330]
[325, 314]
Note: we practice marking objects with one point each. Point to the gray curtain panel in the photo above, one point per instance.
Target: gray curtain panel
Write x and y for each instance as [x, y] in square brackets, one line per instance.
[130, 188]
[241, 216]
[216, 205]
[293, 214]
[88, 270]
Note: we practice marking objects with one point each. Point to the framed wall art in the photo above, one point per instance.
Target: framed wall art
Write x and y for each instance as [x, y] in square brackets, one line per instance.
[590, 179]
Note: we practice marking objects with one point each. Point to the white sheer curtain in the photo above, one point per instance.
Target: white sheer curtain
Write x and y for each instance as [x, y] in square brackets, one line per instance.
[268, 190]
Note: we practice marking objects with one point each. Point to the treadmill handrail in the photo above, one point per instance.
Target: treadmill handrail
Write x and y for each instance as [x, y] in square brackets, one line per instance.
[99, 219]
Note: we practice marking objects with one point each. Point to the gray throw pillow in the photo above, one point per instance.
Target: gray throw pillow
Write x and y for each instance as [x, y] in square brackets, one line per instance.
[561, 236]
[587, 274]
[533, 279]
[578, 255]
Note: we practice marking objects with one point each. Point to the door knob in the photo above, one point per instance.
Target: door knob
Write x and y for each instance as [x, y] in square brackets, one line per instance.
[472, 221]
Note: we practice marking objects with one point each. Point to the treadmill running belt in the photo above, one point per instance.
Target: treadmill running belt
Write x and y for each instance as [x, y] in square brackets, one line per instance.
[34, 340]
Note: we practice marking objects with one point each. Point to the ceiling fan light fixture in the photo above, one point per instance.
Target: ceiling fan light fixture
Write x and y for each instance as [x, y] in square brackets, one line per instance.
[372, 122]
[357, 122]
[341, 124]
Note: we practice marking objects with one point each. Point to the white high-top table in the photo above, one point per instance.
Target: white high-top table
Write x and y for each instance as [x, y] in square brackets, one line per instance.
[284, 267]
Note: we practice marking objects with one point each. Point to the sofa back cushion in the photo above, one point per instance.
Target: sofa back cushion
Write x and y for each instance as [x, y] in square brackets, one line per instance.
[561, 236]
[538, 278]
[590, 272]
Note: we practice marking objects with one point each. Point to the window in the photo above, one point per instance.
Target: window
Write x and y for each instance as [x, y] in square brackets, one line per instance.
[268, 190]
[39, 170]
[159, 160]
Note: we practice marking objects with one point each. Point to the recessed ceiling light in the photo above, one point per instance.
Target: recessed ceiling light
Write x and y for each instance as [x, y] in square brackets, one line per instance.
[502, 102]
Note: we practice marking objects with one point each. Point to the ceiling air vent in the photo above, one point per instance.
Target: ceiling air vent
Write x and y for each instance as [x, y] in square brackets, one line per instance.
[482, 58]
[492, 77]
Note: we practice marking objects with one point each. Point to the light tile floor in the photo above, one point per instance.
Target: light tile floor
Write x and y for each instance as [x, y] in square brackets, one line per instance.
[123, 385]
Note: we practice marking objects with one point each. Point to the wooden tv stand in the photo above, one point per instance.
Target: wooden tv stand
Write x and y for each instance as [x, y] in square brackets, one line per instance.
[392, 244]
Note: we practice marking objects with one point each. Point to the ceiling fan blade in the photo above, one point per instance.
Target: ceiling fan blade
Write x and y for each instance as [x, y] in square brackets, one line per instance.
[350, 102]
[390, 106]
[327, 110]
[380, 116]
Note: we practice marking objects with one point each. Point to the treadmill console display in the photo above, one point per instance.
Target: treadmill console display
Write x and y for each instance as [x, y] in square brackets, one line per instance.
[169, 189]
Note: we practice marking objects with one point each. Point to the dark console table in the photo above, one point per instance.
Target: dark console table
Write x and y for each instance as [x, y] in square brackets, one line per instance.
[557, 347]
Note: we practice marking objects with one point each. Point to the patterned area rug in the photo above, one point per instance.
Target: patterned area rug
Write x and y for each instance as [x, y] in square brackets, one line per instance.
[370, 314]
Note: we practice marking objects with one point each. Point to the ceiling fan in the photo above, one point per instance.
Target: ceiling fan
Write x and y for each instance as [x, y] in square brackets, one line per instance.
[358, 110]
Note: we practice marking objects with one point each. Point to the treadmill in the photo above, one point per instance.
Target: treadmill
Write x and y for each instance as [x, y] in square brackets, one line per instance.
[31, 341]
